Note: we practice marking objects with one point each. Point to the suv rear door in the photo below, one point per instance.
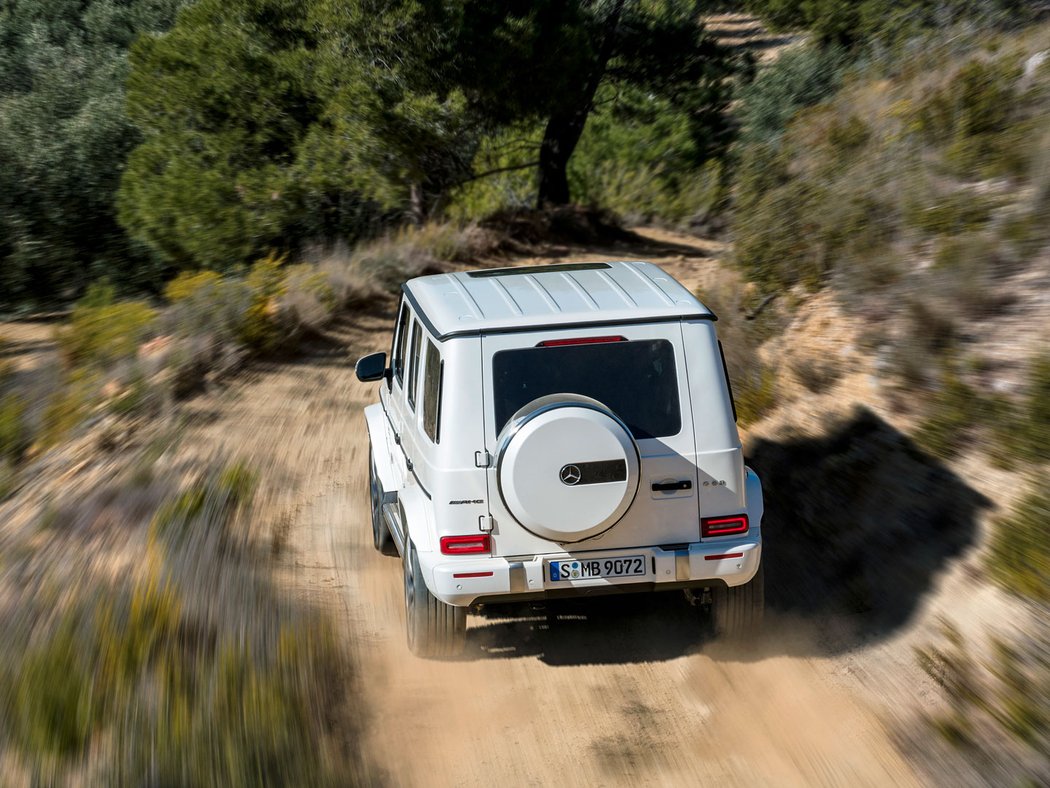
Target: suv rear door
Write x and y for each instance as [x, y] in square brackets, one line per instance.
[519, 367]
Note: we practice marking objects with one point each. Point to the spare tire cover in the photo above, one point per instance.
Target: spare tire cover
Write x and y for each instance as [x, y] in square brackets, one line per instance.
[567, 468]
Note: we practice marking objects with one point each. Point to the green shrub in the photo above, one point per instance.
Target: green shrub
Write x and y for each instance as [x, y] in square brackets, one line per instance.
[307, 279]
[1018, 432]
[949, 214]
[644, 193]
[15, 435]
[236, 483]
[309, 300]
[799, 78]
[441, 241]
[997, 706]
[815, 203]
[1008, 434]
[214, 497]
[190, 284]
[846, 136]
[964, 274]
[1037, 407]
[754, 393]
[68, 406]
[8, 478]
[179, 511]
[412, 251]
[975, 116]
[208, 307]
[51, 707]
[652, 160]
[816, 373]
[778, 236]
[1024, 235]
[863, 23]
[102, 331]
[180, 706]
[514, 187]
[1021, 430]
[245, 718]
[261, 329]
[137, 397]
[953, 415]
[1019, 559]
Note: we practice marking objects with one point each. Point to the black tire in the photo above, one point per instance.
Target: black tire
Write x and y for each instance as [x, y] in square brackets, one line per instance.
[381, 538]
[738, 611]
[433, 628]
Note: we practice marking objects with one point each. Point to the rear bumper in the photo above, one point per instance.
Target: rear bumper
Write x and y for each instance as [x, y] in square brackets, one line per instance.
[465, 581]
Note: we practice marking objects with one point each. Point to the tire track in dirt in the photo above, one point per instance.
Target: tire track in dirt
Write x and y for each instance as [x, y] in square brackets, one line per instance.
[610, 692]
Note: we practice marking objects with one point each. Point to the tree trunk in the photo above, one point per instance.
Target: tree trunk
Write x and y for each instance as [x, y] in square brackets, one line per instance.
[564, 129]
[417, 204]
[559, 141]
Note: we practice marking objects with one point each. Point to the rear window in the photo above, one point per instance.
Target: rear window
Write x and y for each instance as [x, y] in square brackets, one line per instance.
[636, 380]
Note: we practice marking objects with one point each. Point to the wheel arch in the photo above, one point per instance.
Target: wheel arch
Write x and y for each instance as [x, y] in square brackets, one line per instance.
[417, 518]
[754, 501]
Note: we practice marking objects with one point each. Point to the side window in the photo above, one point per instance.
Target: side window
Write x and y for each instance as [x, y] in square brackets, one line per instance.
[398, 362]
[433, 372]
[413, 364]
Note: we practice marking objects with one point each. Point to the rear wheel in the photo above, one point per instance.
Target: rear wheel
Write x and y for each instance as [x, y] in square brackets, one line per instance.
[380, 534]
[434, 629]
[738, 610]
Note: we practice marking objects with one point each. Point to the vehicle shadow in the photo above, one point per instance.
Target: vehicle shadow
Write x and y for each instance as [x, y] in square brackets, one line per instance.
[588, 631]
[859, 522]
[858, 525]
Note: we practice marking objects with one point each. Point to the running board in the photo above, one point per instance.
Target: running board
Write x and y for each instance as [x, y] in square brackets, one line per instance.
[393, 524]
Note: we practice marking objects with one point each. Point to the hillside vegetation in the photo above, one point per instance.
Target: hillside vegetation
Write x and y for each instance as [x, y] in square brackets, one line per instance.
[908, 186]
[918, 194]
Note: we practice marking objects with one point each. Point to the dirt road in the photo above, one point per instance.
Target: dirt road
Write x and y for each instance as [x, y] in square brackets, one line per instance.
[618, 691]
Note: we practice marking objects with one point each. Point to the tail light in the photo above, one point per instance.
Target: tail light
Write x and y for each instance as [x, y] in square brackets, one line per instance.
[465, 545]
[724, 526]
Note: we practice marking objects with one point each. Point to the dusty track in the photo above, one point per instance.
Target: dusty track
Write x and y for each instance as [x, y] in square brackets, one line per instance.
[613, 692]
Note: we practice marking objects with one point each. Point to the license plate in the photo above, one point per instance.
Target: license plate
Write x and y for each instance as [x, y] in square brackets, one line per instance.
[588, 568]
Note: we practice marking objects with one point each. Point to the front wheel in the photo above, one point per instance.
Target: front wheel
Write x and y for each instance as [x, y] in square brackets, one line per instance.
[434, 629]
[738, 610]
[380, 533]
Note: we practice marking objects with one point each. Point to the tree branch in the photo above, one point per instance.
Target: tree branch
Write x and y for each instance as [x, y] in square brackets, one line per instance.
[498, 170]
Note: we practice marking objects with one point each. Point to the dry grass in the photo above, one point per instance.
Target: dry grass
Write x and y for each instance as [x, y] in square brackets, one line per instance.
[997, 703]
[187, 668]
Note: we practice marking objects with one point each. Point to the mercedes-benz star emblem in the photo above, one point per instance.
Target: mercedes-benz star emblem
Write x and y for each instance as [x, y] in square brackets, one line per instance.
[570, 475]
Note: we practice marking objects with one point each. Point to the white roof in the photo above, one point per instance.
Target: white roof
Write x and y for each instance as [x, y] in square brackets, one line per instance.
[562, 294]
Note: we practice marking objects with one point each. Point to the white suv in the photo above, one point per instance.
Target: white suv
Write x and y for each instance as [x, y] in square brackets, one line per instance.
[559, 430]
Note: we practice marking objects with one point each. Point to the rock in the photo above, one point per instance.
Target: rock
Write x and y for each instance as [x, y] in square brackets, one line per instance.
[1034, 62]
[155, 348]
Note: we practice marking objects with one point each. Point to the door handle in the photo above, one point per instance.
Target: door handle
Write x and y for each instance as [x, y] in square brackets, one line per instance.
[683, 484]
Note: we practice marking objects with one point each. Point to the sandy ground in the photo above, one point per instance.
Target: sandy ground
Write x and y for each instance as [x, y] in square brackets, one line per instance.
[624, 691]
